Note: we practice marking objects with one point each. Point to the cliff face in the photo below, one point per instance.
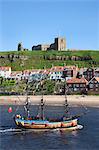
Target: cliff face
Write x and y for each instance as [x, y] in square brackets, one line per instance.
[75, 58]
[40, 59]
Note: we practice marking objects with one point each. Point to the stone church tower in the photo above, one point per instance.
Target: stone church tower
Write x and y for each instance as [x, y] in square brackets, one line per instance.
[60, 44]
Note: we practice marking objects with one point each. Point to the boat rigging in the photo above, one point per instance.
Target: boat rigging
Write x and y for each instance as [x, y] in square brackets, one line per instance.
[40, 122]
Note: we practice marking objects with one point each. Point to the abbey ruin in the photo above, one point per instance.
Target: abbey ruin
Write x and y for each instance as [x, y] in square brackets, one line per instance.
[59, 44]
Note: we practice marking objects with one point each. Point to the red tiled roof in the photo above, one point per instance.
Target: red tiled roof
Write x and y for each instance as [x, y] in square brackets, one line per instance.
[57, 68]
[77, 80]
[97, 78]
[70, 67]
[45, 71]
[61, 68]
[5, 68]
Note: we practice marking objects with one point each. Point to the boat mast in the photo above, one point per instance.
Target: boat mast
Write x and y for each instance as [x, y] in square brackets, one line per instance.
[66, 104]
[42, 103]
[27, 102]
[27, 106]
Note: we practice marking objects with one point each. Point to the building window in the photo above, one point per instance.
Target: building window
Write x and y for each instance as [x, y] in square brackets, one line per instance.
[81, 85]
[52, 77]
[75, 89]
[77, 85]
[70, 85]
[96, 85]
[62, 40]
[91, 85]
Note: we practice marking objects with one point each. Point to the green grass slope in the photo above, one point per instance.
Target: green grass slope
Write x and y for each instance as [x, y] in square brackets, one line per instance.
[40, 59]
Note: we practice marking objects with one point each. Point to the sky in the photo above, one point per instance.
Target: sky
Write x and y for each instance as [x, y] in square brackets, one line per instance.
[35, 22]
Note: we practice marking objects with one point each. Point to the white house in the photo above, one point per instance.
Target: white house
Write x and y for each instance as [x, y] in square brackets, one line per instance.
[96, 72]
[56, 75]
[56, 72]
[5, 72]
[93, 84]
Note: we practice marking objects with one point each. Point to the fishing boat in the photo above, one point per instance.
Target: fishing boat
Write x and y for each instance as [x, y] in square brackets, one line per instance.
[40, 122]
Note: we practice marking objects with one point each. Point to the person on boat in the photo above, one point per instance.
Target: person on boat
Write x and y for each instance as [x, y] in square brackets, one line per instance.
[36, 117]
[63, 118]
[18, 116]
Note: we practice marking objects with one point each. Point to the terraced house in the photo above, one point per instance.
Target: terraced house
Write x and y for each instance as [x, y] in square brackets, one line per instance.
[93, 85]
[56, 72]
[77, 85]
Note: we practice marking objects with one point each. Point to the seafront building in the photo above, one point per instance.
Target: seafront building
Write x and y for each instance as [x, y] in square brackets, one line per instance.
[56, 72]
[93, 84]
[5, 72]
[77, 85]
[78, 80]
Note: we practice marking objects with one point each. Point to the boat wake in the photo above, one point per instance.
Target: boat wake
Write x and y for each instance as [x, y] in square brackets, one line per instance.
[17, 130]
[80, 127]
[9, 130]
[4, 130]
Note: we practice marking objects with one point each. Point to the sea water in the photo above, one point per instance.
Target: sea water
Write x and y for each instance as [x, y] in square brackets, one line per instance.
[12, 138]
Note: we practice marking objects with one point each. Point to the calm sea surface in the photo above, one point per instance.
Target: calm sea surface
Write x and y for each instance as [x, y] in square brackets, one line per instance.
[85, 139]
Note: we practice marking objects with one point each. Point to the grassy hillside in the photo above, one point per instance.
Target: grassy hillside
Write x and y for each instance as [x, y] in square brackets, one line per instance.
[40, 59]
